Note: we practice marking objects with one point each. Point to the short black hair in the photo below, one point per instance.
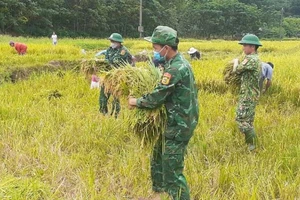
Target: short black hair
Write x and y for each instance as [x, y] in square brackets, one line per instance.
[256, 47]
[271, 64]
[175, 48]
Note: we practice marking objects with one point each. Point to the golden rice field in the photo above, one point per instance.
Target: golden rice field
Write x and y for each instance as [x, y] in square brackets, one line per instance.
[54, 144]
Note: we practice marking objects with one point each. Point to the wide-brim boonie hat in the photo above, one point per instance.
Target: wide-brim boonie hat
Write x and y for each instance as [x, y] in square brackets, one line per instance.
[163, 35]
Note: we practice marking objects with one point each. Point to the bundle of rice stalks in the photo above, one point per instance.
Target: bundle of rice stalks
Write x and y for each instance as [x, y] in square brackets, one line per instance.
[137, 81]
[141, 58]
[233, 80]
[88, 67]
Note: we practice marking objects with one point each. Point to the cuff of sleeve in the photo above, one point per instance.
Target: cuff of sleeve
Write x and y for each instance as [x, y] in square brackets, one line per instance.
[139, 102]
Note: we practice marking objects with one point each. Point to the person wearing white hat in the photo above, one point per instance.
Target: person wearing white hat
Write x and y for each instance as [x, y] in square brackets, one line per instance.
[194, 53]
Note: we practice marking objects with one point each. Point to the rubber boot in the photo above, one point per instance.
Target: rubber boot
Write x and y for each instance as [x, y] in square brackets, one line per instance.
[103, 100]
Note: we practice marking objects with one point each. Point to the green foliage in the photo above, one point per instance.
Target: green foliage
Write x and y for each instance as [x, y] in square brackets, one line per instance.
[217, 19]
[99, 18]
[292, 27]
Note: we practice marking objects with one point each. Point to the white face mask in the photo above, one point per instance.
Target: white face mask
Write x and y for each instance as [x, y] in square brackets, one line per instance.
[113, 45]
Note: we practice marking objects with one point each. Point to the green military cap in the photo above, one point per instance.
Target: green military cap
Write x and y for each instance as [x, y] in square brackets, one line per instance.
[163, 35]
[250, 39]
[116, 37]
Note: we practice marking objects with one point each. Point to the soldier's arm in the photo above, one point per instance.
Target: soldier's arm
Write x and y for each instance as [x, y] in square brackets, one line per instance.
[106, 54]
[129, 58]
[166, 86]
[268, 84]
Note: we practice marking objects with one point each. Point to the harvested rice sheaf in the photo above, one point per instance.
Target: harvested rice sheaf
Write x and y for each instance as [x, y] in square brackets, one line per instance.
[233, 80]
[88, 67]
[141, 58]
[138, 81]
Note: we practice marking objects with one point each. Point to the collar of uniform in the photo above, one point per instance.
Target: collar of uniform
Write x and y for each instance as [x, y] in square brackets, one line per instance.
[169, 62]
[251, 55]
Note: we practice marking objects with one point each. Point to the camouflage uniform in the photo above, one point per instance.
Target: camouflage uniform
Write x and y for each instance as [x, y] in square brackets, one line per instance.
[178, 93]
[250, 71]
[116, 57]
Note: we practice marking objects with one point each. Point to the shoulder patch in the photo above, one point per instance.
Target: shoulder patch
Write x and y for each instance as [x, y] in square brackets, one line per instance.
[123, 51]
[245, 61]
[166, 78]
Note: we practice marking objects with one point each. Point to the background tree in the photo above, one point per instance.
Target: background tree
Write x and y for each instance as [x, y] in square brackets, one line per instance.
[192, 18]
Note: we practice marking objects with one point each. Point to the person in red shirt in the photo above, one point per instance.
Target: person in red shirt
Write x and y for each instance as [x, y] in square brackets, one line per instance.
[21, 48]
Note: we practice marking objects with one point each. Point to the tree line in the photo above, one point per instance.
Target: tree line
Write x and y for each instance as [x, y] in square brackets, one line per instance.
[192, 18]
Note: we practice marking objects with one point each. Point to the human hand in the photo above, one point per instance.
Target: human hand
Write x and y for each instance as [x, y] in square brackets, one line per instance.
[161, 68]
[132, 102]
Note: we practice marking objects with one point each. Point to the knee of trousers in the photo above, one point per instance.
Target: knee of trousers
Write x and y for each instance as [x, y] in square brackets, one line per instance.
[244, 126]
[172, 170]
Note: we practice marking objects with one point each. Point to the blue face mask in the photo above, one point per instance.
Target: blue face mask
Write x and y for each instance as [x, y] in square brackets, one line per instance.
[158, 57]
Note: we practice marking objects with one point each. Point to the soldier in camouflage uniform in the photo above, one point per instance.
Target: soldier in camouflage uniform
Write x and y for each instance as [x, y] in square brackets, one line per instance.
[249, 69]
[178, 93]
[116, 55]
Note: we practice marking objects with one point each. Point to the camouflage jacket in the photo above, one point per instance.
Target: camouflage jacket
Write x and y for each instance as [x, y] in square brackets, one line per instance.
[177, 91]
[250, 71]
[118, 57]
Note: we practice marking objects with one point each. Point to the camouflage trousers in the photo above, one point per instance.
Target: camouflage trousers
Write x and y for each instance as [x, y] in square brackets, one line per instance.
[103, 101]
[167, 166]
[245, 114]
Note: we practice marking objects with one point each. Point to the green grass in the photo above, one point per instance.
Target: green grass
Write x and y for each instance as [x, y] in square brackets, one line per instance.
[62, 148]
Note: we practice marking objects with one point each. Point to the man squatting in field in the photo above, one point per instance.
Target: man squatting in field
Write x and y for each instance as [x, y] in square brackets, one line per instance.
[178, 93]
[116, 55]
[249, 69]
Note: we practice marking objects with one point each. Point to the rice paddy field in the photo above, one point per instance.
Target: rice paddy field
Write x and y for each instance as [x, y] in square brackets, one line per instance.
[54, 143]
